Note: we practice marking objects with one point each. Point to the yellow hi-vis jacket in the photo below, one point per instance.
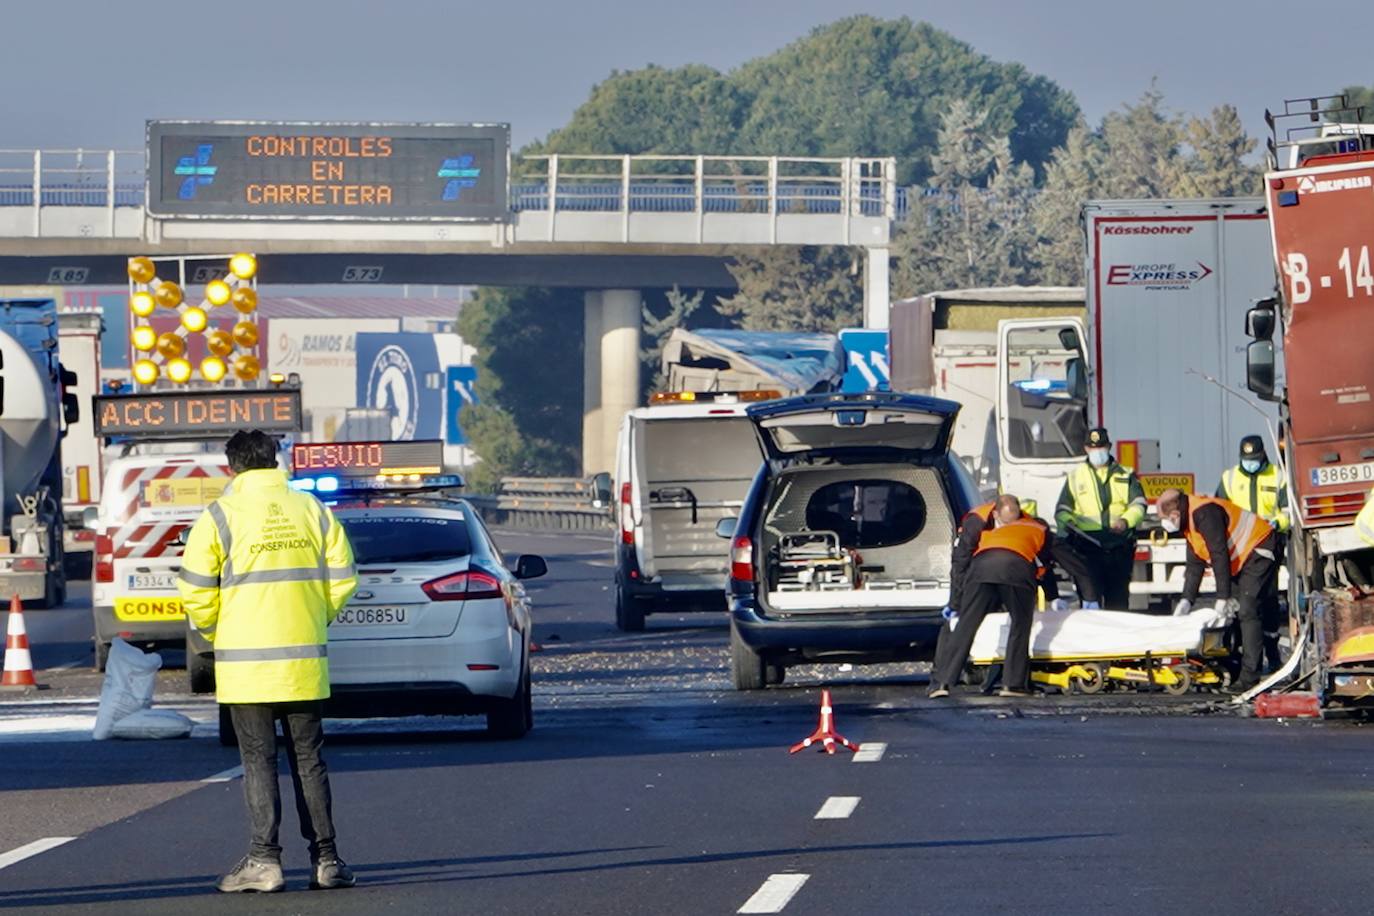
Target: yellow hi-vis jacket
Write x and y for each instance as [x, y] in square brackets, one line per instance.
[1364, 522]
[1265, 493]
[264, 572]
[1093, 498]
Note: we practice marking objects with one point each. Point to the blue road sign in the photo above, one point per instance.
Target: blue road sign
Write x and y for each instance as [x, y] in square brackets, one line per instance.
[866, 355]
[457, 393]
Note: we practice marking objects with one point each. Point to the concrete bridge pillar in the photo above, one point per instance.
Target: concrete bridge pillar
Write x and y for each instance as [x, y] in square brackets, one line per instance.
[611, 320]
[877, 269]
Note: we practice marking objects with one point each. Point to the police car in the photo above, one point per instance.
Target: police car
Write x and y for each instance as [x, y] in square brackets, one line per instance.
[440, 624]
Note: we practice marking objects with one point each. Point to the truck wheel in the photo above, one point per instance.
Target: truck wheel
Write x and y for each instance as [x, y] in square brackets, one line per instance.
[227, 736]
[746, 665]
[512, 718]
[774, 674]
[629, 614]
[102, 654]
[199, 670]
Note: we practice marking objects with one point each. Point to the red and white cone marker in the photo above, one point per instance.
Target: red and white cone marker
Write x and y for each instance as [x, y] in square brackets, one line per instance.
[18, 663]
[825, 732]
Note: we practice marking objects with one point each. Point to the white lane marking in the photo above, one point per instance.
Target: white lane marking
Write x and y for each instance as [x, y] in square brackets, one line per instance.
[837, 807]
[66, 666]
[228, 775]
[870, 752]
[28, 850]
[774, 894]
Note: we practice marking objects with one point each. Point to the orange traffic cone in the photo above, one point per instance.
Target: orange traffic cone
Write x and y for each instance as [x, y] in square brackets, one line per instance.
[825, 732]
[18, 664]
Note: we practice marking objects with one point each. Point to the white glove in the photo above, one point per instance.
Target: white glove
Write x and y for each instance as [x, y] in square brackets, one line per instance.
[1224, 611]
[1183, 607]
[1059, 604]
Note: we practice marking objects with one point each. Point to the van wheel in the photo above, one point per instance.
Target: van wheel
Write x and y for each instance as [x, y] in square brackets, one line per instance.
[774, 675]
[227, 736]
[629, 614]
[199, 670]
[102, 654]
[747, 667]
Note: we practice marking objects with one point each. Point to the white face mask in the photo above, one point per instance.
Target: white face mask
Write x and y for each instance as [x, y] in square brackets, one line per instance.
[1170, 524]
[1098, 457]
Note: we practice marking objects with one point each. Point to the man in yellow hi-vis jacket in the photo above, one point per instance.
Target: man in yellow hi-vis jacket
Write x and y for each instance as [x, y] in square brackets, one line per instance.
[264, 572]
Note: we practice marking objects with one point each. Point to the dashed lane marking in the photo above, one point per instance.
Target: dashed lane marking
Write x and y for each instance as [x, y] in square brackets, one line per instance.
[774, 895]
[29, 850]
[227, 776]
[870, 752]
[837, 807]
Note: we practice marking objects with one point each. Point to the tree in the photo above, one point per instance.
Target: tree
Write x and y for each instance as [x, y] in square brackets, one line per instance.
[971, 227]
[1361, 97]
[529, 382]
[796, 289]
[656, 330]
[1143, 143]
[1072, 177]
[1217, 166]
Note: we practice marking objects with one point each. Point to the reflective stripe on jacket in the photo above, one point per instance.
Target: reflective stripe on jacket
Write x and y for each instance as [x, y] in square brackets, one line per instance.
[1265, 493]
[1244, 531]
[264, 572]
[1080, 502]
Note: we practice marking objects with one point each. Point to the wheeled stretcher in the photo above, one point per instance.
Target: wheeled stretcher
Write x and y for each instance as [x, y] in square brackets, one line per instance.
[1087, 650]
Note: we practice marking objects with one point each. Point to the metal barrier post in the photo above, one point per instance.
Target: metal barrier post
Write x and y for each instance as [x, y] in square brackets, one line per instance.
[110, 189]
[699, 193]
[553, 192]
[625, 198]
[890, 188]
[846, 195]
[37, 192]
[772, 200]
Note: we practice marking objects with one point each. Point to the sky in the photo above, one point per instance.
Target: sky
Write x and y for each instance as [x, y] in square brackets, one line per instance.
[92, 71]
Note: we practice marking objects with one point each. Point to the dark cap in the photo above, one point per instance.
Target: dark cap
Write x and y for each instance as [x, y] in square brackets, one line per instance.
[1098, 438]
[1252, 447]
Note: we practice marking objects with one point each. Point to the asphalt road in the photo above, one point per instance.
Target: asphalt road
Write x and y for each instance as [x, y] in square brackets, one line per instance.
[648, 786]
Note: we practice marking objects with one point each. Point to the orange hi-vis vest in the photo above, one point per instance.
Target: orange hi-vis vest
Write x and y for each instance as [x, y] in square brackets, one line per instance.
[1024, 537]
[1244, 531]
[984, 512]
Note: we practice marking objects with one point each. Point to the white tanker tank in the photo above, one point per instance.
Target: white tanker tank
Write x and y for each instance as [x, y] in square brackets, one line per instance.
[30, 424]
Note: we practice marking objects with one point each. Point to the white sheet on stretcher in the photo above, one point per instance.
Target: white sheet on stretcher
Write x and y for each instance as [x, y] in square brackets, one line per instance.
[1079, 634]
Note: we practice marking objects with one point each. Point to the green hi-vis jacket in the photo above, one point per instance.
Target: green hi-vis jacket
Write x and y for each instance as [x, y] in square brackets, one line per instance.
[264, 572]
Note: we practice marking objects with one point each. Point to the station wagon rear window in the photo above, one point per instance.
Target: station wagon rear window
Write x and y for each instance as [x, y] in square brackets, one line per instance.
[386, 538]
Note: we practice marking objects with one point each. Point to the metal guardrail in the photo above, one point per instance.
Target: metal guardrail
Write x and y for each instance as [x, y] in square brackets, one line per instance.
[776, 185]
[549, 503]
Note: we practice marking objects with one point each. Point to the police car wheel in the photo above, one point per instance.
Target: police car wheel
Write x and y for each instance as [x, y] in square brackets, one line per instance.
[512, 718]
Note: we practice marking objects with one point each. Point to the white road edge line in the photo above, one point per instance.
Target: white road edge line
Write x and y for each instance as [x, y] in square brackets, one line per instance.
[837, 807]
[67, 666]
[870, 752]
[774, 894]
[28, 850]
[228, 775]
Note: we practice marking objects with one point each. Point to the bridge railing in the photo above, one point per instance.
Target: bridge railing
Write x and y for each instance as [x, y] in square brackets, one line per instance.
[773, 185]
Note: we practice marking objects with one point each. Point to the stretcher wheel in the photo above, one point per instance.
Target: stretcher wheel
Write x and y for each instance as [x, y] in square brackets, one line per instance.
[1095, 680]
[1183, 684]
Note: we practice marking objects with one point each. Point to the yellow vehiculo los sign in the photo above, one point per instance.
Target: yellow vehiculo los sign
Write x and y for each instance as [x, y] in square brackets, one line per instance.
[1155, 484]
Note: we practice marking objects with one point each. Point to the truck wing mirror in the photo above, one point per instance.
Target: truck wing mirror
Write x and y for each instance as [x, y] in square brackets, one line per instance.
[1259, 321]
[1068, 339]
[1259, 369]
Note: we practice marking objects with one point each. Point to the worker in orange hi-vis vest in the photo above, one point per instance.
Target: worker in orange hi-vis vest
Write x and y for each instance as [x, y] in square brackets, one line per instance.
[1012, 559]
[1239, 546]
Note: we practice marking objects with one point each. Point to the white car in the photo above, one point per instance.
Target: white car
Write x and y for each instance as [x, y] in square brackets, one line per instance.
[439, 625]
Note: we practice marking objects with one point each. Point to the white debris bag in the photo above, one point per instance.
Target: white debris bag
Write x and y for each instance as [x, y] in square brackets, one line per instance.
[154, 723]
[129, 678]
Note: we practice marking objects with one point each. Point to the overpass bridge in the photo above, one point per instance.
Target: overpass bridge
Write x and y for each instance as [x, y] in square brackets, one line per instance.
[609, 224]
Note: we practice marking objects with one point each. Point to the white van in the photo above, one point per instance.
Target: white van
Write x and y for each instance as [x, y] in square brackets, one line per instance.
[147, 505]
[682, 465]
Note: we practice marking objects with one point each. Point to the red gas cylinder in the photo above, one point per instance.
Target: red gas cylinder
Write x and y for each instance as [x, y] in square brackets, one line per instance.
[1287, 706]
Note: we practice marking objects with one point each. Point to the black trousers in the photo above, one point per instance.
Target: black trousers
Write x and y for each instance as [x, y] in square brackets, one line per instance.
[1255, 577]
[981, 599]
[1101, 574]
[303, 734]
[1271, 612]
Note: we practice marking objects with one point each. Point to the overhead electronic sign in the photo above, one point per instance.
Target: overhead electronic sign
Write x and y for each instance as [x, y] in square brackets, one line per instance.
[368, 459]
[209, 414]
[328, 170]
